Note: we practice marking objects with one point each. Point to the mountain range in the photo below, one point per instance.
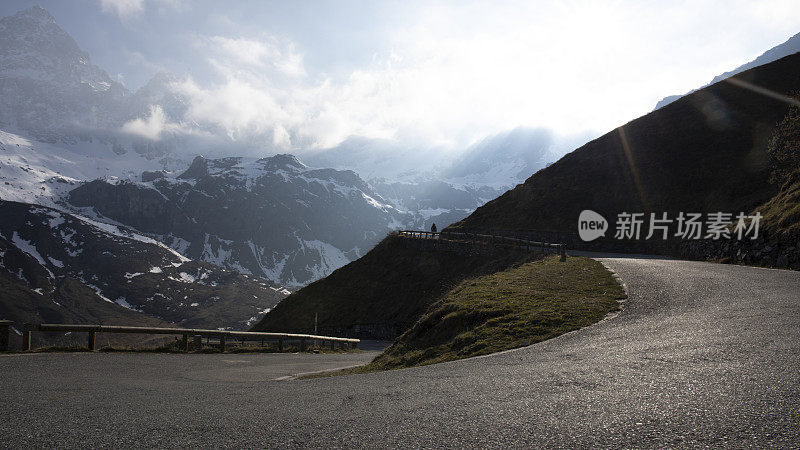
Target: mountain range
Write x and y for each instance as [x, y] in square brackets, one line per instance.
[73, 141]
[158, 203]
[710, 151]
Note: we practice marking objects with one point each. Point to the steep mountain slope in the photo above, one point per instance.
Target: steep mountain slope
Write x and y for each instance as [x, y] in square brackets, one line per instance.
[790, 47]
[64, 256]
[272, 217]
[703, 153]
[51, 92]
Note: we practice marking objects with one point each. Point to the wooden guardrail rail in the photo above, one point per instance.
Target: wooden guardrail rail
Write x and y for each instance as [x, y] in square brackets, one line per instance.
[490, 239]
[222, 335]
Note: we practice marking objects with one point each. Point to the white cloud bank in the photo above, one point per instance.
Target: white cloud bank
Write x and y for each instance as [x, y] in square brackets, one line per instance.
[459, 72]
[123, 8]
[130, 9]
[154, 126]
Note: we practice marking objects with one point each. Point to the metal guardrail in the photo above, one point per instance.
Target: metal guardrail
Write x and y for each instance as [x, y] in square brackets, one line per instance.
[491, 239]
[222, 335]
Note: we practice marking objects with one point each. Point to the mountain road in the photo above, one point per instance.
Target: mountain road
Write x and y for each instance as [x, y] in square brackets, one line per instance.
[700, 354]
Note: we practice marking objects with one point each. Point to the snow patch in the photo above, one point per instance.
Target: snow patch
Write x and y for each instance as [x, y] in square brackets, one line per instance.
[30, 249]
[122, 302]
[56, 262]
[183, 277]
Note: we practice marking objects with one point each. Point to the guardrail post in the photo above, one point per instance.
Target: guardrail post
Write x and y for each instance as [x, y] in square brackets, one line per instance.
[26, 337]
[198, 342]
[92, 341]
[333, 344]
[280, 344]
[222, 346]
[185, 342]
[302, 345]
[5, 334]
[563, 252]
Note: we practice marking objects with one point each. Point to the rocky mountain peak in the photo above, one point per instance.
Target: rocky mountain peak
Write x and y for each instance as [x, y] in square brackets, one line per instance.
[50, 87]
[35, 13]
[283, 161]
[198, 169]
[34, 32]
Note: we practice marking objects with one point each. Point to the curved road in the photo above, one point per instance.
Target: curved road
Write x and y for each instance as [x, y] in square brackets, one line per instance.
[702, 354]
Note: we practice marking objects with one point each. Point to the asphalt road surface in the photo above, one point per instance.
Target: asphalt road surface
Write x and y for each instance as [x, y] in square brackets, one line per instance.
[701, 354]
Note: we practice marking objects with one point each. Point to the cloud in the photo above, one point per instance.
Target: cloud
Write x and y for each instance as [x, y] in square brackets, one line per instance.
[241, 54]
[123, 8]
[128, 9]
[450, 75]
[152, 127]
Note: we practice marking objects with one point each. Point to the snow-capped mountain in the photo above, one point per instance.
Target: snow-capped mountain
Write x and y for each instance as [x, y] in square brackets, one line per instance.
[42, 173]
[271, 217]
[440, 187]
[505, 159]
[790, 47]
[73, 263]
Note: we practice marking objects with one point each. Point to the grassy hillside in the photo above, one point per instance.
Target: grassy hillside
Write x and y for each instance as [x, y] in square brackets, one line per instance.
[513, 308]
[705, 152]
[384, 292]
[782, 212]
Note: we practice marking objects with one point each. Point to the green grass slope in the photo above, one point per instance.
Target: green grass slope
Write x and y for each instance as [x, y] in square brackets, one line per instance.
[705, 152]
[519, 306]
[513, 308]
[381, 294]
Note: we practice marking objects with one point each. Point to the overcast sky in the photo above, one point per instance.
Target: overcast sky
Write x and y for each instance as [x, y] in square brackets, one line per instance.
[445, 73]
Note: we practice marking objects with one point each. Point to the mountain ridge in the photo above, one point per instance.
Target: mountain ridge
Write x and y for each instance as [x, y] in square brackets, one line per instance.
[703, 153]
[788, 47]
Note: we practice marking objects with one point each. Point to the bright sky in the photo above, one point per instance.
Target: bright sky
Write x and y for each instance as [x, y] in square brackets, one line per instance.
[310, 74]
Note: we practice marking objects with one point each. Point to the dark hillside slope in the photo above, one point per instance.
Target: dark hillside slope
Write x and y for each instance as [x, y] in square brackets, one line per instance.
[70, 302]
[702, 153]
[381, 294]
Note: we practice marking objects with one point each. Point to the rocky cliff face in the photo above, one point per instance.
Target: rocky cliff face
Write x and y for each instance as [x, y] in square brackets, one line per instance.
[48, 84]
[271, 217]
